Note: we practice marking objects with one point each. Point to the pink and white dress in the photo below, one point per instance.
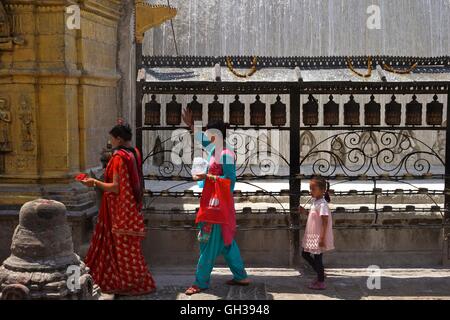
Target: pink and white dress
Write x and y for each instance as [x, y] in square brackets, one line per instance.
[313, 228]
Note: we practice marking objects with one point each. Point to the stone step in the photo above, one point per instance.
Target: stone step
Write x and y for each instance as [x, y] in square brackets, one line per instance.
[255, 291]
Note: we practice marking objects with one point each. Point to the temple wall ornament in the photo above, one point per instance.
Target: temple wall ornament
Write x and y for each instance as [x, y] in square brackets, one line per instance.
[7, 39]
[26, 118]
[5, 126]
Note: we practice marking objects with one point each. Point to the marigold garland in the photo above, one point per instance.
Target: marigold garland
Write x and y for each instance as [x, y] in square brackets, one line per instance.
[369, 68]
[405, 71]
[242, 75]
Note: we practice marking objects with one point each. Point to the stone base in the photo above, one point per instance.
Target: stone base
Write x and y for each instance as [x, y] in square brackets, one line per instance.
[446, 249]
[81, 204]
[171, 240]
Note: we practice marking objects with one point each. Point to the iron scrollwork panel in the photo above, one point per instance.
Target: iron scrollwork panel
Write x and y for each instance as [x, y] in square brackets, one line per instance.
[372, 153]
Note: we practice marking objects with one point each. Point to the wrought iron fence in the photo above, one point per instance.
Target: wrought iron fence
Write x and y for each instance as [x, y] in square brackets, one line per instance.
[372, 141]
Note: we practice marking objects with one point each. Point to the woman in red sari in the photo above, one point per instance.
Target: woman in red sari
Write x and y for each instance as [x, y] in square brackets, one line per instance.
[115, 255]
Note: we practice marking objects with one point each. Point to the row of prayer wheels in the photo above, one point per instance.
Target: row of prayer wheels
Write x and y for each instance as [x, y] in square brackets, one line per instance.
[216, 112]
[310, 112]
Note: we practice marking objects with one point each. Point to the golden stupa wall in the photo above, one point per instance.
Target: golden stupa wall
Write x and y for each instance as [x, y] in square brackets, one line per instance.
[59, 89]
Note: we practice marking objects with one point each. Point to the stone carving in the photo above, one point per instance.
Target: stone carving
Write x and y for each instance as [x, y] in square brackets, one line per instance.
[338, 147]
[307, 143]
[439, 145]
[158, 153]
[6, 37]
[369, 144]
[5, 126]
[26, 117]
[42, 258]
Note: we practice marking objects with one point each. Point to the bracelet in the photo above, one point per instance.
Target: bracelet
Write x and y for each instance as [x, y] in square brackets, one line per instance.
[95, 183]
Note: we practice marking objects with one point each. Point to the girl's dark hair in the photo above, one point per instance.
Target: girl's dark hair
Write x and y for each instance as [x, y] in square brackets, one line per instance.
[218, 125]
[324, 185]
[122, 130]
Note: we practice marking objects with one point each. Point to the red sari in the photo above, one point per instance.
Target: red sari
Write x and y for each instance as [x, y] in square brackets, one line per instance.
[115, 256]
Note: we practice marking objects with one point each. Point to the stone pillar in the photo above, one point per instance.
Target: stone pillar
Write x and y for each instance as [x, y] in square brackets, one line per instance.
[58, 99]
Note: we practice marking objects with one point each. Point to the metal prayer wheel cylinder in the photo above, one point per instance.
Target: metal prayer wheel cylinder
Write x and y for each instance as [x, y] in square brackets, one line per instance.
[331, 113]
[196, 108]
[173, 112]
[215, 110]
[311, 112]
[372, 115]
[278, 113]
[413, 112]
[434, 112]
[152, 112]
[393, 113]
[257, 113]
[42, 257]
[351, 112]
[237, 112]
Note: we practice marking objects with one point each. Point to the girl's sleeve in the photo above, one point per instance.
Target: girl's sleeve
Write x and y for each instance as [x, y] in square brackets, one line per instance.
[324, 210]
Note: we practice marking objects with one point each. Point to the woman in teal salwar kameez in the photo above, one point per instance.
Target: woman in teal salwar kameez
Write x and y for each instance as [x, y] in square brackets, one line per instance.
[216, 239]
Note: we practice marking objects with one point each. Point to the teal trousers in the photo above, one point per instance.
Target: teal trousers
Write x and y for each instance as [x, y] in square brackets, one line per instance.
[210, 250]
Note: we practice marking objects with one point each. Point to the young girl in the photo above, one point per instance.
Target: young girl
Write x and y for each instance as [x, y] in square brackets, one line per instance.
[318, 236]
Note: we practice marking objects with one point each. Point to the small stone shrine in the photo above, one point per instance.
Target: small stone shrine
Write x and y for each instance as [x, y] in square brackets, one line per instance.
[42, 264]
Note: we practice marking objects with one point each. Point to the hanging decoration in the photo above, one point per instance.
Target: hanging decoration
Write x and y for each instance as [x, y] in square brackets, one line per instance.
[242, 75]
[405, 71]
[369, 68]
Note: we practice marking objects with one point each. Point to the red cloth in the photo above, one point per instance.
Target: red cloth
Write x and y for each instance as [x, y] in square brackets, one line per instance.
[135, 171]
[214, 202]
[81, 177]
[217, 207]
[115, 255]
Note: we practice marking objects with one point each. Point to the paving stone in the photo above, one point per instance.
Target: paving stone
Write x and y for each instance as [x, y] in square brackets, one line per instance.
[292, 284]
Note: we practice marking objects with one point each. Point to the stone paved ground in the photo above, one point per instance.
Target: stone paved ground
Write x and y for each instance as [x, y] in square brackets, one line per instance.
[287, 284]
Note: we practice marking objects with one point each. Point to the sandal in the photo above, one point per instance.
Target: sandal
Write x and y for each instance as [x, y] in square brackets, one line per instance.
[233, 282]
[193, 290]
[317, 285]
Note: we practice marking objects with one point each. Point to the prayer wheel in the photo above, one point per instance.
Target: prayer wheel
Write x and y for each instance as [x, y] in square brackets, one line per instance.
[311, 112]
[237, 112]
[413, 112]
[393, 113]
[152, 112]
[372, 115]
[215, 110]
[434, 112]
[257, 113]
[173, 112]
[278, 113]
[331, 113]
[196, 108]
[351, 112]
